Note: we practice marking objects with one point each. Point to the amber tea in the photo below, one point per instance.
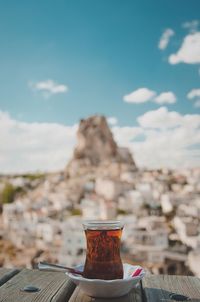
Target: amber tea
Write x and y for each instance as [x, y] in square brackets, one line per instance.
[103, 250]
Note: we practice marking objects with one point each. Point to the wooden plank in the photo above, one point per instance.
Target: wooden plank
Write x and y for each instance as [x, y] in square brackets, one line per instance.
[160, 288]
[54, 287]
[6, 274]
[133, 296]
[3, 271]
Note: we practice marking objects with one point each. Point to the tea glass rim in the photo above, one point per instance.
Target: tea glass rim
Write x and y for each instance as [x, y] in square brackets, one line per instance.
[94, 224]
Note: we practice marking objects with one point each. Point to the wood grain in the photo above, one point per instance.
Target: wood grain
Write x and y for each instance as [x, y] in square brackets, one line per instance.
[55, 287]
[6, 274]
[133, 296]
[159, 288]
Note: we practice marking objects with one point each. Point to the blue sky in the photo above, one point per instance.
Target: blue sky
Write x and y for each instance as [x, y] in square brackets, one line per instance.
[100, 51]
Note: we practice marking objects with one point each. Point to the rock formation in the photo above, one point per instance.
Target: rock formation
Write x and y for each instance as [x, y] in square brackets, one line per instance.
[95, 141]
[96, 150]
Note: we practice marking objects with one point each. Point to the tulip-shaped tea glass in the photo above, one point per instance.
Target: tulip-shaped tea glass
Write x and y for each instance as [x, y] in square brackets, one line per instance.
[103, 249]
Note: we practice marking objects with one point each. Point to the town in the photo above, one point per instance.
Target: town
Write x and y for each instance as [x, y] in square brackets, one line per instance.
[160, 209]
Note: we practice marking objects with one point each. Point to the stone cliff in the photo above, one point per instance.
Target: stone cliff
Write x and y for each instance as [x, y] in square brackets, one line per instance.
[97, 150]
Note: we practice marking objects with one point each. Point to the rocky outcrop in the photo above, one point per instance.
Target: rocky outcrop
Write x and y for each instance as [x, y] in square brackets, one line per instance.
[96, 150]
[95, 141]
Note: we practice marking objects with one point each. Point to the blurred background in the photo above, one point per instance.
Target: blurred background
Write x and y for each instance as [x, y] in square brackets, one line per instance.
[100, 118]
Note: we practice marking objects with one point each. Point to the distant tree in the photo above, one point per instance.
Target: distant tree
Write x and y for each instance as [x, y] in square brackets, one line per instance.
[32, 177]
[8, 194]
[122, 212]
[76, 212]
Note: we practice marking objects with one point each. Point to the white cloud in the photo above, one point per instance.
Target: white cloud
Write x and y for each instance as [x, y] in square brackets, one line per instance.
[161, 139]
[125, 135]
[164, 119]
[49, 87]
[165, 98]
[192, 26]
[112, 120]
[140, 95]
[34, 146]
[197, 104]
[165, 38]
[143, 95]
[173, 145]
[194, 93]
[189, 51]
[169, 148]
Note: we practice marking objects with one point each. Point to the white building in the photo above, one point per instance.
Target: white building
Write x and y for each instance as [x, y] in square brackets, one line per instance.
[108, 189]
[194, 259]
[45, 231]
[166, 204]
[187, 229]
[97, 208]
[73, 242]
[131, 201]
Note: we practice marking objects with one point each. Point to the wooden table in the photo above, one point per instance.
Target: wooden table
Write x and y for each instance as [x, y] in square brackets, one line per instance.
[56, 287]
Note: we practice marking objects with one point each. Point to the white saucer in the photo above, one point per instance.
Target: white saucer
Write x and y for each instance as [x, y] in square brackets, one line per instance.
[108, 288]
